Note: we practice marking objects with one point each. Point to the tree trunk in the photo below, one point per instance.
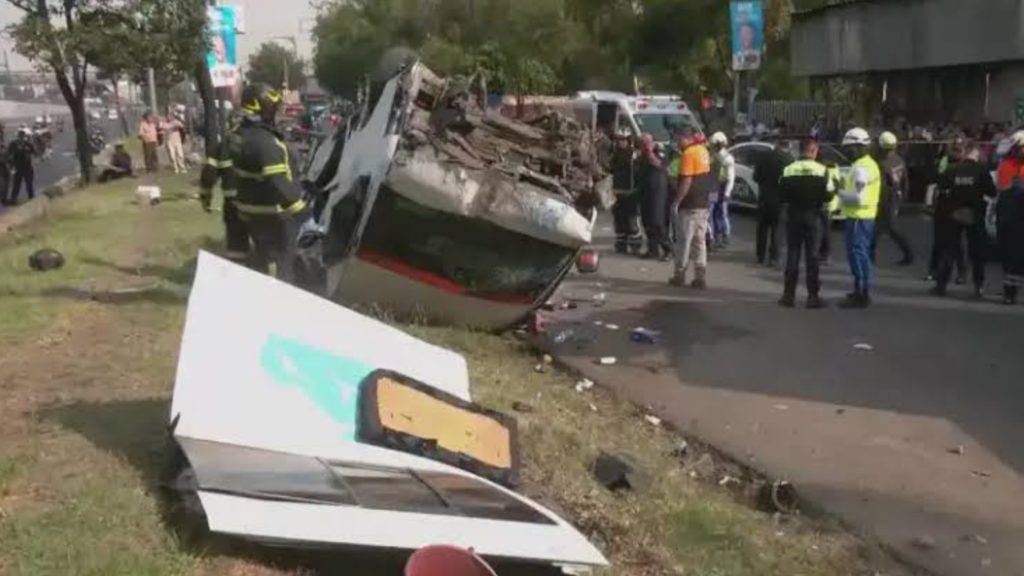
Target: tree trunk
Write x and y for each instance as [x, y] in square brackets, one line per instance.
[211, 129]
[76, 103]
[79, 119]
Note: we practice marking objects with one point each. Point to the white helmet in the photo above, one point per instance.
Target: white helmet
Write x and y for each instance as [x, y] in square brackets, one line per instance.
[857, 136]
[719, 139]
[888, 141]
[1017, 139]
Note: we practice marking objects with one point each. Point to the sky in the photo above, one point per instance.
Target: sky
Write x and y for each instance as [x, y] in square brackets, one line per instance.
[265, 19]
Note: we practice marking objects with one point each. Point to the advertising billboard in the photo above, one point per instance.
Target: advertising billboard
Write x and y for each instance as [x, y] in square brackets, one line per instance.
[222, 59]
[747, 20]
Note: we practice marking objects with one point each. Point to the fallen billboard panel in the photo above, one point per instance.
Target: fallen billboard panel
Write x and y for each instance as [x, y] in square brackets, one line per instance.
[266, 412]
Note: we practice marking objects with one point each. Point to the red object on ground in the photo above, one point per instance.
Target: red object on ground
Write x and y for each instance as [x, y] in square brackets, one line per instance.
[446, 561]
[588, 261]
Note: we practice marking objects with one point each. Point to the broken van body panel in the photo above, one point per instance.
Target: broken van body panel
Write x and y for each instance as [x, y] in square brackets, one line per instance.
[444, 210]
[266, 412]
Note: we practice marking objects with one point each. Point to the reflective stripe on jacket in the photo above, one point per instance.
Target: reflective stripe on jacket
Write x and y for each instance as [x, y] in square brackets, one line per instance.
[263, 169]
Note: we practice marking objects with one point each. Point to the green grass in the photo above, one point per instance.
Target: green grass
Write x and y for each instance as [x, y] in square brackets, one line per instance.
[82, 423]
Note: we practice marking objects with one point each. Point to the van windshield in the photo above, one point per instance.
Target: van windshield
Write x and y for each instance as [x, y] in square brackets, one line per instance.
[663, 126]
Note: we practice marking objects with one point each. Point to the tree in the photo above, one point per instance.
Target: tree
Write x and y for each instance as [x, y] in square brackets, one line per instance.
[269, 63]
[117, 37]
[59, 35]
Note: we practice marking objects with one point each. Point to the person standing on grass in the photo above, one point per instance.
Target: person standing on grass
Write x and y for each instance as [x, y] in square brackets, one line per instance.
[172, 128]
[806, 188]
[150, 137]
[5, 172]
[20, 153]
[690, 210]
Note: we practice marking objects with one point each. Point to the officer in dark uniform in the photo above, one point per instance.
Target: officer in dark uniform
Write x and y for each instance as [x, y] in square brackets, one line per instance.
[959, 209]
[21, 153]
[270, 200]
[220, 168]
[767, 172]
[806, 187]
[626, 210]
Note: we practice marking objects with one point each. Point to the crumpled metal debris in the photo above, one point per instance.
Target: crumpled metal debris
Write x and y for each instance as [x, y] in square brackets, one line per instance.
[549, 150]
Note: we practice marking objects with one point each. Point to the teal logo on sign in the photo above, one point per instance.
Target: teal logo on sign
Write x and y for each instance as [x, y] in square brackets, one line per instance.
[331, 382]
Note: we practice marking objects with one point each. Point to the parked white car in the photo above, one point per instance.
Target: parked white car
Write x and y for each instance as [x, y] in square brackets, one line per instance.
[747, 154]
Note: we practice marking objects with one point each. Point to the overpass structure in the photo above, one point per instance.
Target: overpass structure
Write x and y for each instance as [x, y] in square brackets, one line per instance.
[925, 59]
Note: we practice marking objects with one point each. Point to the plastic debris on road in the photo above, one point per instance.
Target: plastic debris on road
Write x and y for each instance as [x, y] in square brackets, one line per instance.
[644, 336]
[608, 361]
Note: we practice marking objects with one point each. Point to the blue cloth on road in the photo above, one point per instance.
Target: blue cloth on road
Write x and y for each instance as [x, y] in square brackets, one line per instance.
[859, 233]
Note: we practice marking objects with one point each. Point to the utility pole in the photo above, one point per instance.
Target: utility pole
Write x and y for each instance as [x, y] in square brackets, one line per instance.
[151, 78]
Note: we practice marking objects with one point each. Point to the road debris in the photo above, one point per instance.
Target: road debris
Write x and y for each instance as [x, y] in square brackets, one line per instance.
[618, 472]
[958, 450]
[312, 390]
[540, 368]
[45, 260]
[564, 336]
[612, 327]
[681, 450]
[588, 261]
[653, 420]
[607, 361]
[644, 336]
[421, 156]
[864, 347]
[584, 385]
[975, 538]
[779, 496]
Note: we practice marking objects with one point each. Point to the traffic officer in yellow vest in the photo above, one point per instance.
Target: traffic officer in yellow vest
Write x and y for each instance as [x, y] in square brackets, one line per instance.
[270, 200]
[806, 188]
[220, 168]
[859, 196]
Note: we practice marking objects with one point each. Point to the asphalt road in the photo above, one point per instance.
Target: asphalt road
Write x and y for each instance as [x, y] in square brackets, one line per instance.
[905, 420]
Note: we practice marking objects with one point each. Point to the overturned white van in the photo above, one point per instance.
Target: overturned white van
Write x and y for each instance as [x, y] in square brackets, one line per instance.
[440, 209]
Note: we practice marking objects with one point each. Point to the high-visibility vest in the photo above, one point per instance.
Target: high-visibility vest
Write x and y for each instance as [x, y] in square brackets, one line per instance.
[869, 209]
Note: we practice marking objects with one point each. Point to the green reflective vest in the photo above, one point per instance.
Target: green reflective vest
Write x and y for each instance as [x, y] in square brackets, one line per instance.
[869, 209]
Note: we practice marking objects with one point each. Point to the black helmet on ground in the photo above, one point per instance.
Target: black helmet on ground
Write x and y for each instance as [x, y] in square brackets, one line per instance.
[261, 100]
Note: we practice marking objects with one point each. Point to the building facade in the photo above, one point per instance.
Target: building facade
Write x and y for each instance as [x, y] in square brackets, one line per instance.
[941, 60]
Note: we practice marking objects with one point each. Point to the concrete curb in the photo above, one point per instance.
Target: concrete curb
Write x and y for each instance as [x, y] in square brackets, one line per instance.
[36, 208]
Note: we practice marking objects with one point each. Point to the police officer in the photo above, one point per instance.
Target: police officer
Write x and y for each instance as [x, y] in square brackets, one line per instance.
[220, 168]
[21, 152]
[895, 185]
[767, 172]
[806, 188]
[270, 200]
[859, 196]
[960, 209]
